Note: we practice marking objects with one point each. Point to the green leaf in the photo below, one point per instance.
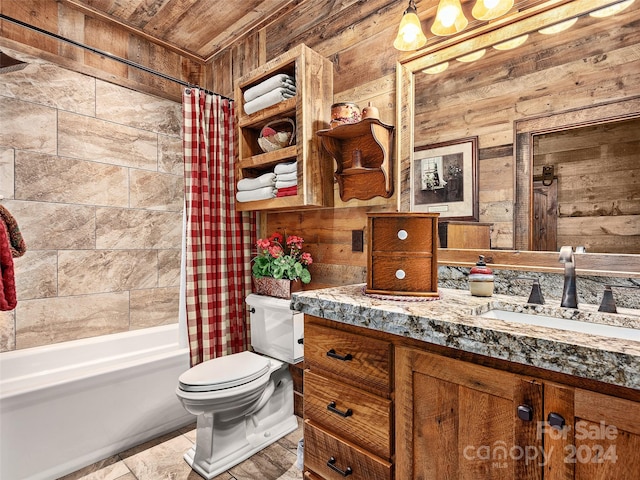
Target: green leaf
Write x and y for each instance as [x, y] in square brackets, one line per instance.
[305, 276]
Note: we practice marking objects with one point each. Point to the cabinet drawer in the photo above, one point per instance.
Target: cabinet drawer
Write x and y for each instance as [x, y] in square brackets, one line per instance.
[359, 360]
[361, 417]
[322, 450]
[411, 234]
[401, 273]
[311, 476]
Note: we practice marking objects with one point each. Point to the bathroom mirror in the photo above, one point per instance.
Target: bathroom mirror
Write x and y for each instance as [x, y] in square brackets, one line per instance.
[415, 88]
[580, 185]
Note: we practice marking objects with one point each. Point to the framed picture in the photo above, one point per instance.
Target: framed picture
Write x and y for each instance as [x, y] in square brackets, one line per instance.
[444, 179]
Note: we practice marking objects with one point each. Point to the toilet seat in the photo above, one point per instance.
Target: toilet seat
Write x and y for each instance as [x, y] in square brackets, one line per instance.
[224, 372]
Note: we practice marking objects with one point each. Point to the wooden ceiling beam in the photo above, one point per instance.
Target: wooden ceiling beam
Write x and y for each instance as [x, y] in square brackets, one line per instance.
[92, 12]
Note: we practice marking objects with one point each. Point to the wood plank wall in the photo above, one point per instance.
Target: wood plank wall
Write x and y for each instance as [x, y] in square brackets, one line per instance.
[58, 18]
[357, 36]
[592, 63]
[597, 195]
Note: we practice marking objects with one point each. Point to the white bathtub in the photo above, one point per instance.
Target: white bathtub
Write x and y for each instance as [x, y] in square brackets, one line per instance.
[68, 405]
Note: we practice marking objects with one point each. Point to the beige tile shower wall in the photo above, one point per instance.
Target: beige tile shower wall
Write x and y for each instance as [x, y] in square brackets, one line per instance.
[92, 172]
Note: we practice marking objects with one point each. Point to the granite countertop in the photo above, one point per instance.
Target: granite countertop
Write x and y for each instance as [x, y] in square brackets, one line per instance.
[453, 321]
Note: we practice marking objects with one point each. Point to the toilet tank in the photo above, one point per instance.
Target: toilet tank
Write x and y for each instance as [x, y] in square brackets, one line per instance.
[276, 330]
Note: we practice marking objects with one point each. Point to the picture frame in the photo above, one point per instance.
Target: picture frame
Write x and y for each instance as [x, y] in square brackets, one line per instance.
[444, 179]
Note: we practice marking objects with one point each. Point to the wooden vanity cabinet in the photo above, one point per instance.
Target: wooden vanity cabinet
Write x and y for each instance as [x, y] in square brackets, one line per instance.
[387, 407]
[458, 420]
[596, 436]
[348, 410]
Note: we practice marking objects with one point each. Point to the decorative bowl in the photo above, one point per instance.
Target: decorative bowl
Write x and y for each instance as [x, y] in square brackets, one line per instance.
[277, 134]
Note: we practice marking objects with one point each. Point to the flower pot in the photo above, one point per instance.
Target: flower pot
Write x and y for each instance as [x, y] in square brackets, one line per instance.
[274, 287]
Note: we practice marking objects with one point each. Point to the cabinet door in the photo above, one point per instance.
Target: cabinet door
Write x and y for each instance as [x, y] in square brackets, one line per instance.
[595, 437]
[457, 420]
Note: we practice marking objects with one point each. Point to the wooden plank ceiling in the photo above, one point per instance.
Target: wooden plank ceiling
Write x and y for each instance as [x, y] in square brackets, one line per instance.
[202, 28]
[197, 28]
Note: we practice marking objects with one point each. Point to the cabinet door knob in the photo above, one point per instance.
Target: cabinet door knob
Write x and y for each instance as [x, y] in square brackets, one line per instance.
[331, 463]
[556, 420]
[525, 412]
[345, 358]
[332, 408]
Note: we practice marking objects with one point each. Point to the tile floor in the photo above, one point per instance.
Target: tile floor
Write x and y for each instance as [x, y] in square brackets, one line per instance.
[161, 459]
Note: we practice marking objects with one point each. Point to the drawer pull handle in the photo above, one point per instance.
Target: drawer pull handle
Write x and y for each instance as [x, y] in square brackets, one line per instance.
[525, 412]
[556, 420]
[331, 463]
[332, 353]
[402, 234]
[400, 274]
[332, 408]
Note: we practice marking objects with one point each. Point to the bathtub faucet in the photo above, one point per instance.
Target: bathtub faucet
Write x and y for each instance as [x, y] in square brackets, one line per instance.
[569, 293]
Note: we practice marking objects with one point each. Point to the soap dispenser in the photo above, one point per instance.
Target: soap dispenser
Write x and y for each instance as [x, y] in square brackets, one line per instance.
[481, 279]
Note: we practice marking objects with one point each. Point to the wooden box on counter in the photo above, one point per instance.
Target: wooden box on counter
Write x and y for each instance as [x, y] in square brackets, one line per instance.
[464, 234]
[403, 254]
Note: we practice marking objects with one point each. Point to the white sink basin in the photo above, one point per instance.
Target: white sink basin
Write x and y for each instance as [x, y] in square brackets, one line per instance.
[564, 324]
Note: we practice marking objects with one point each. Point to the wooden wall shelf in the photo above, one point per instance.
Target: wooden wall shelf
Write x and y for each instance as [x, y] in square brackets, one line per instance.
[362, 152]
[314, 92]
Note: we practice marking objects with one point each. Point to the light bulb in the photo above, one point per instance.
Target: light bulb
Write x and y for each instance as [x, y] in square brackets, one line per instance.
[410, 36]
[449, 19]
[448, 15]
[491, 9]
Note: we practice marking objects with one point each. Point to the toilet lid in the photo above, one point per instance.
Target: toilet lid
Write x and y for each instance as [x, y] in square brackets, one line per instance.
[224, 372]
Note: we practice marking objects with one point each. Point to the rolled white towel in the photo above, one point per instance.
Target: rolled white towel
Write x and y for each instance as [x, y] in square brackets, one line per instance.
[271, 98]
[263, 193]
[285, 177]
[264, 180]
[286, 183]
[286, 168]
[279, 80]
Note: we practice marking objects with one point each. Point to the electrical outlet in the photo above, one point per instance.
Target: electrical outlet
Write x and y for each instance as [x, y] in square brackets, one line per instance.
[357, 241]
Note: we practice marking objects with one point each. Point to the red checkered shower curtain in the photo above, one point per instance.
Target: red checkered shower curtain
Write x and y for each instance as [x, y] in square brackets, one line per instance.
[218, 238]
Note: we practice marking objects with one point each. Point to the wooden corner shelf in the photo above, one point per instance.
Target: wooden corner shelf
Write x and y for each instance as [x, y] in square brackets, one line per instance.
[363, 155]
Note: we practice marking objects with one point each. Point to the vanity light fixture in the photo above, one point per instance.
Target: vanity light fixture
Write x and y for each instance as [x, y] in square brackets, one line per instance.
[410, 36]
[490, 9]
[559, 27]
[449, 19]
[472, 57]
[510, 44]
[611, 10]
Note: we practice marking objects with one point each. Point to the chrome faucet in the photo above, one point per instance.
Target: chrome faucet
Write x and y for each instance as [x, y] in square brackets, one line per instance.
[569, 293]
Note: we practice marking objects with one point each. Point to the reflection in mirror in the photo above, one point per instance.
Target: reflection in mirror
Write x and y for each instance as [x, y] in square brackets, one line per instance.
[511, 99]
[586, 188]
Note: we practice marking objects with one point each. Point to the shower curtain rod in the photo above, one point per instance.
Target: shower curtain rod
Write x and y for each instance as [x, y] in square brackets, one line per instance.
[110, 55]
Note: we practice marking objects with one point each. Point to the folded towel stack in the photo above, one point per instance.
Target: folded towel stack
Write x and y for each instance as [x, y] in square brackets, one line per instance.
[282, 182]
[286, 179]
[269, 92]
[260, 188]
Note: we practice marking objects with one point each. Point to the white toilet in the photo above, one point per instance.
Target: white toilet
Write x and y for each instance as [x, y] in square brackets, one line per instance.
[244, 401]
